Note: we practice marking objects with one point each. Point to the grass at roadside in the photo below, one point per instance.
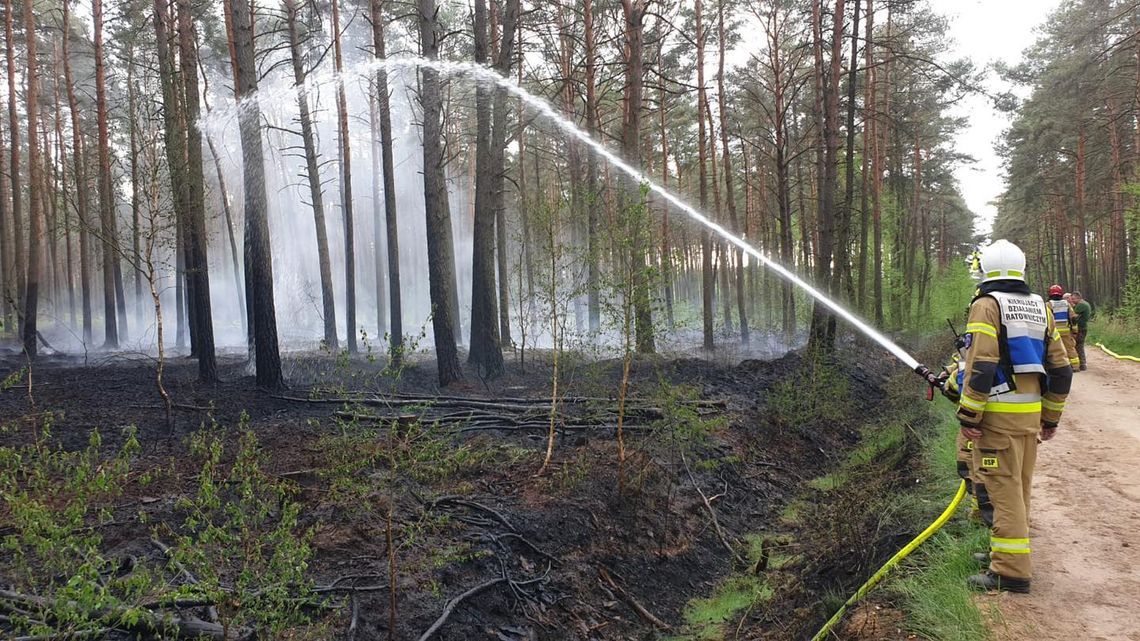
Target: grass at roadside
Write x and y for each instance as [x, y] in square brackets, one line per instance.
[930, 586]
[1120, 335]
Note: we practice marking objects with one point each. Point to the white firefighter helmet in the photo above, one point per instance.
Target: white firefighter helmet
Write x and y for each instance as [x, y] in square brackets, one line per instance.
[1002, 260]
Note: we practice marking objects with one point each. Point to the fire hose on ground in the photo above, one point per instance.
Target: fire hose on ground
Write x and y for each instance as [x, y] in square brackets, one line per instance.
[1123, 357]
[894, 560]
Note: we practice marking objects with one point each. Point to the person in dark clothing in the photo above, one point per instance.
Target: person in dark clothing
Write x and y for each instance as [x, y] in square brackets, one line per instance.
[1082, 313]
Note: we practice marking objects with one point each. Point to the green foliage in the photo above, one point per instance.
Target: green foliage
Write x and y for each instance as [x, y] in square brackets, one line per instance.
[931, 584]
[53, 502]
[241, 537]
[705, 619]
[878, 442]
[427, 453]
[15, 378]
[816, 393]
[682, 424]
[1118, 332]
[949, 295]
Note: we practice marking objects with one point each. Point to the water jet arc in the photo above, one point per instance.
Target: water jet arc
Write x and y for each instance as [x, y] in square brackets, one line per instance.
[482, 74]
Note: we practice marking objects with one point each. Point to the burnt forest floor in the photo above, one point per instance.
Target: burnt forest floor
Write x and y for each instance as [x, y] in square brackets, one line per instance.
[749, 500]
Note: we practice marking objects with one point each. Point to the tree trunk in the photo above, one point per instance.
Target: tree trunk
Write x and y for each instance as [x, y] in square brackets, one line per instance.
[486, 352]
[845, 283]
[7, 249]
[133, 118]
[870, 119]
[723, 262]
[879, 144]
[395, 324]
[227, 212]
[78, 157]
[312, 172]
[593, 222]
[666, 253]
[1080, 233]
[112, 274]
[708, 279]
[441, 252]
[35, 185]
[199, 272]
[346, 188]
[61, 200]
[827, 108]
[634, 12]
[18, 280]
[730, 193]
[258, 255]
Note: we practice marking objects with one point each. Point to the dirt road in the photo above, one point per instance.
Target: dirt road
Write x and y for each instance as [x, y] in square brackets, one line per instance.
[1085, 517]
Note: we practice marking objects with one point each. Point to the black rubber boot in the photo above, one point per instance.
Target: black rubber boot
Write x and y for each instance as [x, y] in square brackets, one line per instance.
[992, 582]
[983, 559]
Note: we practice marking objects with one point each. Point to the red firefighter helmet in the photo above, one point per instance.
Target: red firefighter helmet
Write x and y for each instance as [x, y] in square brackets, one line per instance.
[1056, 290]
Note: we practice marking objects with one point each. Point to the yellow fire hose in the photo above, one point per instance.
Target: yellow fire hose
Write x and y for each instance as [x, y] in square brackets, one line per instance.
[1123, 357]
[899, 556]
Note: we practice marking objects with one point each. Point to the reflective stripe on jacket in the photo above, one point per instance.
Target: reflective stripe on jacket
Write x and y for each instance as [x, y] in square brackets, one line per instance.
[1061, 310]
[1012, 333]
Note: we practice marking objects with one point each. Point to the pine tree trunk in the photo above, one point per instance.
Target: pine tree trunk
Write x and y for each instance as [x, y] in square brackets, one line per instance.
[708, 279]
[346, 188]
[667, 268]
[486, 352]
[827, 109]
[108, 231]
[199, 272]
[78, 156]
[877, 161]
[258, 255]
[870, 120]
[723, 262]
[35, 185]
[395, 324]
[441, 251]
[1080, 233]
[845, 283]
[7, 247]
[312, 172]
[17, 281]
[634, 12]
[730, 193]
[593, 222]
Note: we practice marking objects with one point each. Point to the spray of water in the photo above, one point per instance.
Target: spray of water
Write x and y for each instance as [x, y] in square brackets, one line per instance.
[485, 75]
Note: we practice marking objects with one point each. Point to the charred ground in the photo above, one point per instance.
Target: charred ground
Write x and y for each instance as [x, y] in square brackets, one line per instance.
[769, 444]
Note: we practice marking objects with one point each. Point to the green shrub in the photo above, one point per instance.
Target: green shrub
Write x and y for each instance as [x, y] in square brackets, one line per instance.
[53, 503]
[241, 538]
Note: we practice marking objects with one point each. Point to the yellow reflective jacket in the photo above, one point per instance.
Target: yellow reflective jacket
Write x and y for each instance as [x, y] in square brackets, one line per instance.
[996, 397]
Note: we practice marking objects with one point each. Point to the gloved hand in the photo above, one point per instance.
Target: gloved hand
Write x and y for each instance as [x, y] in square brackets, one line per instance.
[971, 432]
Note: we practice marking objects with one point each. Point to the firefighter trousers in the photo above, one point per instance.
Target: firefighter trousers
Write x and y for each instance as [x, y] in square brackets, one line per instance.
[966, 471]
[1070, 343]
[1003, 467]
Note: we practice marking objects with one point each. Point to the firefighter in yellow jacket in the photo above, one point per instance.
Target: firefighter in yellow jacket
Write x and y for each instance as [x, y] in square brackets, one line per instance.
[1062, 310]
[1015, 381]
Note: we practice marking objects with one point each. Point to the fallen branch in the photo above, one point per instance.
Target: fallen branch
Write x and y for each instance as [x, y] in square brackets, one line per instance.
[67, 636]
[456, 500]
[712, 514]
[131, 621]
[356, 396]
[211, 611]
[631, 601]
[452, 604]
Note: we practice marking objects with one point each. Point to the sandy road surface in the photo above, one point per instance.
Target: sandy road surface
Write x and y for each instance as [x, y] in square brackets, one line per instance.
[1085, 518]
